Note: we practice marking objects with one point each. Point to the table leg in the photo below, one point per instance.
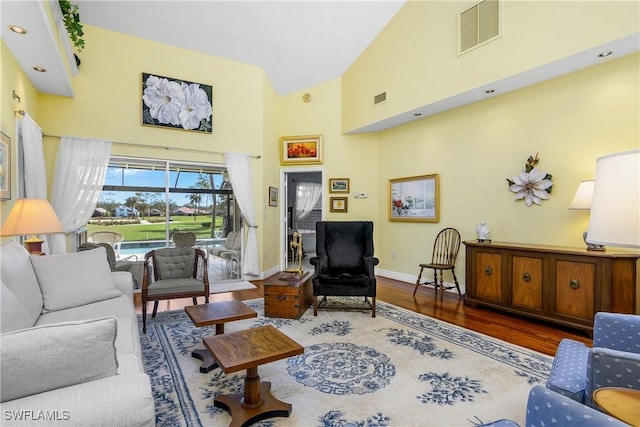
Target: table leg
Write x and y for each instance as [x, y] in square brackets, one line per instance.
[254, 404]
[208, 362]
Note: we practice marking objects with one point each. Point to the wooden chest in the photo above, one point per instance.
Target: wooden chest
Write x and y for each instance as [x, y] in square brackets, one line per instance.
[287, 298]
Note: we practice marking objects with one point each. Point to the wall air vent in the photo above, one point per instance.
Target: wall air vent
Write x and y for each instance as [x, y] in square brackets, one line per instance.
[479, 24]
[381, 97]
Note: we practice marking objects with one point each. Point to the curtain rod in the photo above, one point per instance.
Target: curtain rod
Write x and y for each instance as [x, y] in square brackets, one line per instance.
[158, 147]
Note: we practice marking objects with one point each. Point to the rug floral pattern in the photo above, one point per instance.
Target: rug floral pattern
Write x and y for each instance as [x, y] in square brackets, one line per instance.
[398, 369]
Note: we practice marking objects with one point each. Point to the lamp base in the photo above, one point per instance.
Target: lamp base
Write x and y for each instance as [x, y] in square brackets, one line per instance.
[592, 246]
[34, 245]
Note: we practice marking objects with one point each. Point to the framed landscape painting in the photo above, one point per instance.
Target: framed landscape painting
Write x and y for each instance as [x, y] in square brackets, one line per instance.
[176, 104]
[301, 150]
[338, 185]
[414, 198]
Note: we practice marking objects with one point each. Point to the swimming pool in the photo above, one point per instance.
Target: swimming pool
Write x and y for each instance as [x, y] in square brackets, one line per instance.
[144, 246]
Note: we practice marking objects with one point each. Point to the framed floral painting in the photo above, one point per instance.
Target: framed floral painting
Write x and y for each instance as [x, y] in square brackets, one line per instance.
[338, 204]
[176, 104]
[301, 150]
[415, 198]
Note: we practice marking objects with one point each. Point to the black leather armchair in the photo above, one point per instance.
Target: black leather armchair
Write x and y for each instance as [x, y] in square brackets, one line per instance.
[344, 262]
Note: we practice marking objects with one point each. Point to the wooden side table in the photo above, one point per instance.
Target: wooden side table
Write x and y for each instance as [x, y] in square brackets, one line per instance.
[619, 402]
[248, 349]
[215, 313]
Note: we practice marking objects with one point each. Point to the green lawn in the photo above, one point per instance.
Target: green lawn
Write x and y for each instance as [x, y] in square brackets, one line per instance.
[157, 231]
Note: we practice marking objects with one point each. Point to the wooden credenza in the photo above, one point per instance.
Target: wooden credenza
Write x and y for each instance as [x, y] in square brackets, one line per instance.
[562, 285]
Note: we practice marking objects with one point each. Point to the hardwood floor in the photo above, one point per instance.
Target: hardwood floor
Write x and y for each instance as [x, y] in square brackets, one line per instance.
[533, 334]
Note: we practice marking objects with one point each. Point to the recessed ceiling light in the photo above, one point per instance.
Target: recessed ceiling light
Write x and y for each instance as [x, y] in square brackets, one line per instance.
[40, 69]
[17, 30]
[489, 91]
[605, 54]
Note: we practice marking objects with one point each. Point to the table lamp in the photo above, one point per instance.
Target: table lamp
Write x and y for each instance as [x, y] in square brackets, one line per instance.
[32, 217]
[615, 210]
[582, 202]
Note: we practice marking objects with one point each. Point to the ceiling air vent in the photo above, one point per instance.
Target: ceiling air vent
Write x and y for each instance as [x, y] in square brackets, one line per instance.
[381, 97]
[479, 24]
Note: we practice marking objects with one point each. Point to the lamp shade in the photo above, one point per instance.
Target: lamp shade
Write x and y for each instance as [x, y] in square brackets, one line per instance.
[31, 216]
[615, 210]
[583, 197]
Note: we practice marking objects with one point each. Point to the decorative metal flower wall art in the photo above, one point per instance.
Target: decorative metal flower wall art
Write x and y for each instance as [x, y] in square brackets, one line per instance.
[533, 184]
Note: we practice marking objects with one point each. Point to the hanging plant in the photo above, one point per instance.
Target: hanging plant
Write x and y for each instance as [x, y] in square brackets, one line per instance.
[533, 184]
[71, 17]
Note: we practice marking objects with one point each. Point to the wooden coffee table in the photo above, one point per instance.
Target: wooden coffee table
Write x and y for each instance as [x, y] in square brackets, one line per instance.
[249, 349]
[215, 313]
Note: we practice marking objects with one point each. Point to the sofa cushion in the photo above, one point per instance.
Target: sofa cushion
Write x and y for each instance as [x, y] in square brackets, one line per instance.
[121, 308]
[74, 279]
[17, 274]
[49, 357]
[120, 400]
[13, 315]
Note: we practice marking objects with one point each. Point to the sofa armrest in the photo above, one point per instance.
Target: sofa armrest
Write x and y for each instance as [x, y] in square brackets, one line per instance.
[568, 370]
[48, 357]
[124, 282]
[370, 263]
[321, 264]
[548, 408]
[611, 368]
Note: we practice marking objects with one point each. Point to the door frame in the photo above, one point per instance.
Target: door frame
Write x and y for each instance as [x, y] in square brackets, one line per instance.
[284, 173]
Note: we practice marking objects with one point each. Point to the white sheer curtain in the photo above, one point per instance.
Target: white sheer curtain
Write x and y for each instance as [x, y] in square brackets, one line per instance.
[34, 172]
[240, 177]
[307, 195]
[81, 166]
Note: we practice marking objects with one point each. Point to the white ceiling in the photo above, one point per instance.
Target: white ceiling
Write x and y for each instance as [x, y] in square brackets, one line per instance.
[297, 43]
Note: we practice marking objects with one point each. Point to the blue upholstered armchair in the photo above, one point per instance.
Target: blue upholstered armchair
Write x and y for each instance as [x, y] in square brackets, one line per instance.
[613, 361]
[548, 408]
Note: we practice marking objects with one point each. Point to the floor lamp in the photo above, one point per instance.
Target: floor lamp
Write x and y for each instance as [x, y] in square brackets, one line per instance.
[615, 209]
[32, 217]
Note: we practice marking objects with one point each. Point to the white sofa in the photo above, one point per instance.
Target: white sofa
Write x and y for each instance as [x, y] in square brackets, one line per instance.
[70, 347]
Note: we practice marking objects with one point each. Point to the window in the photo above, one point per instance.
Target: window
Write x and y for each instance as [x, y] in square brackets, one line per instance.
[148, 200]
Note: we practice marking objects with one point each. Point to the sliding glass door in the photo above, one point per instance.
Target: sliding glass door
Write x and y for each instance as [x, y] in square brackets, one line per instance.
[146, 201]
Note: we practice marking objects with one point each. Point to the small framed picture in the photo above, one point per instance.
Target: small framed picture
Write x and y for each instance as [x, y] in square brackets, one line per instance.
[301, 150]
[338, 204]
[273, 196]
[339, 185]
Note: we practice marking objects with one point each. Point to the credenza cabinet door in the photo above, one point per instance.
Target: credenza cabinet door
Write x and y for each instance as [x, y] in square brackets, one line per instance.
[575, 289]
[562, 285]
[488, 276]
[526, 282]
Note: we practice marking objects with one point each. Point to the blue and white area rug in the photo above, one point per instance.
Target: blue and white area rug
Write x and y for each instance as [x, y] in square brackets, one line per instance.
[398, 369]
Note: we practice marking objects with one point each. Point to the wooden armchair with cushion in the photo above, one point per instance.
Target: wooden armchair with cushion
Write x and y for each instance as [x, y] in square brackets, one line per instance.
[171, 273]
[344, 262]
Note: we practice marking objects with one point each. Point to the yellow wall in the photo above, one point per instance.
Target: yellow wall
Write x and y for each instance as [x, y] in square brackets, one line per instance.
[570, 121]
[352, 156]
[13, 79]
[415, 57]
[108, 103]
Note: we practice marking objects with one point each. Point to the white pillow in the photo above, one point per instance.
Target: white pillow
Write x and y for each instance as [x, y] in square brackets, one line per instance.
[74, 279]
[49, 357]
